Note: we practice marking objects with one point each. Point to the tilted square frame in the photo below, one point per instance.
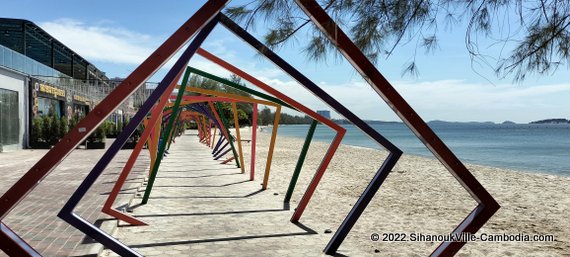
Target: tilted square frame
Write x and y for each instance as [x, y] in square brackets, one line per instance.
[10, 242]
[487, 204]
[472, 223]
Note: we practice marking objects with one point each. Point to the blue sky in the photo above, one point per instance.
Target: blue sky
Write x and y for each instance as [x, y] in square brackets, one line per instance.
[118, 35]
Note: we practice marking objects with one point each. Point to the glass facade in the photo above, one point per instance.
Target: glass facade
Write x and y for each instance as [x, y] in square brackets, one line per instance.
[9, 118]
[80, 110]
[49, 106]
[19, 62]
[26, 38]
[27, 49]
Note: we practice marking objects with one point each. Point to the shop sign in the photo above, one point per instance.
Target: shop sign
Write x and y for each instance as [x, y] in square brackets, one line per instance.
[80, 98]
[51, 90]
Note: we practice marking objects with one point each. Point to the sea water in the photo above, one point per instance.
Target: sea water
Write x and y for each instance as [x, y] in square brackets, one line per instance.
[541, 148]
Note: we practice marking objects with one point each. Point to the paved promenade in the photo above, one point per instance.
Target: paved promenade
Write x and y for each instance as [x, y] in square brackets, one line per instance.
[35, 217]
[199, 207]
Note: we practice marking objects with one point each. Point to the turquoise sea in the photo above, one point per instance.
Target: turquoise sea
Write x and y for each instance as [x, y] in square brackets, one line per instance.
[541, 148]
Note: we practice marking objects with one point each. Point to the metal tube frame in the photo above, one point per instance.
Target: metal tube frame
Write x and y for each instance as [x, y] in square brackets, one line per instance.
[167, 131]
[253, 141]
[340, 131]
[253, 92]
[227, 126]
[86, 126]
[300, 162]
[66, 212]
[238, 135]
[394, 152]
[248, 100]
[487, 204]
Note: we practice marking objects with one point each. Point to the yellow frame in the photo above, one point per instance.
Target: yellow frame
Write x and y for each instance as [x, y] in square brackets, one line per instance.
[250, 100]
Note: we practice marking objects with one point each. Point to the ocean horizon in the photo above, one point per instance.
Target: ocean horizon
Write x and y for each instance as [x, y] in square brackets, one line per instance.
[535, 148]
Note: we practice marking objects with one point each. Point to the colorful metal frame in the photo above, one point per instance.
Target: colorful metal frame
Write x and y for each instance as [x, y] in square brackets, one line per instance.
[322, 167]
[224, 120]
[300, 162]
[238, 135]
[67, 213]
[213, 115]
[219, 154]
[340, 131]
[231, 98]
[302, 156]
[107, 208]
[155, 117]
[250, 100]
[487, 205]
[200, 108]
[394, 152]
[10, 241]
[13, 244]
[253, 141]
[224, 129]
[162, 144]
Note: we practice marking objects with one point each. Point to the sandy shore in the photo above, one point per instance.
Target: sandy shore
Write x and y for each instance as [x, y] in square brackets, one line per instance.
[420, 196]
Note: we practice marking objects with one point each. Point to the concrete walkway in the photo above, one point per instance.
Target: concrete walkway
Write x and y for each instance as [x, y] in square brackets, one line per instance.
[35, 217]
[199, 207]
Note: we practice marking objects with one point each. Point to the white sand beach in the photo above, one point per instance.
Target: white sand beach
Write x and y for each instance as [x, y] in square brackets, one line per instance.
[420, 196]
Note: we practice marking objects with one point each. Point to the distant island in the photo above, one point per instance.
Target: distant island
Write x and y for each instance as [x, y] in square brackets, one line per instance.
[344, 121]
[290, 119]
[551, 121]
[442, 122]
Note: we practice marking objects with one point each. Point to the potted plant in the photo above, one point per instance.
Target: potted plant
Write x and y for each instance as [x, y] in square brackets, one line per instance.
[46, 129]
[72, 123]
[54, 130]
[133, 139]
[37, 137]
[64, 127]
[110, 128]
[97, 139]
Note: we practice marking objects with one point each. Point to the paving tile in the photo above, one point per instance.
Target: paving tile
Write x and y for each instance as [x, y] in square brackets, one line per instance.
[199, 207]
[35, 217]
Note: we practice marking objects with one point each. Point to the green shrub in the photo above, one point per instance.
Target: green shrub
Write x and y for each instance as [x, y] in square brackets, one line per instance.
[54, 131]
[64, 126]
[109, 128]
[73, 122]
[37, 134]
[46, 129]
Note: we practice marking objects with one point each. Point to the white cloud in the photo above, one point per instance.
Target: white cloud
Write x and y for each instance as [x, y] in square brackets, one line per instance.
[452, 100]
[461, 101]
[102, 42]
[208, 66]
[444, 99]
[220, 46]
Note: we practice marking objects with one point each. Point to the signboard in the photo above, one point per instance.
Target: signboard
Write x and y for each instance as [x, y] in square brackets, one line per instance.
[51, 90]
[81, 99]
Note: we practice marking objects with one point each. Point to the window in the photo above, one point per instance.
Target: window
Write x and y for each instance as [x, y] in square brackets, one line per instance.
[47, 106]
[9, 117]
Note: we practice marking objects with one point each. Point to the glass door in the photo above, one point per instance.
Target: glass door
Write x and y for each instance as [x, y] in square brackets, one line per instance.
[9, 118]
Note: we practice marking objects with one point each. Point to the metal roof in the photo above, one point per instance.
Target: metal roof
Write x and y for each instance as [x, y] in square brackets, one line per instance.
[31, 40]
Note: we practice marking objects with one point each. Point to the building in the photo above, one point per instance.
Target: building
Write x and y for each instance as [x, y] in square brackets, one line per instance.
[324, 113]
[41, 76]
